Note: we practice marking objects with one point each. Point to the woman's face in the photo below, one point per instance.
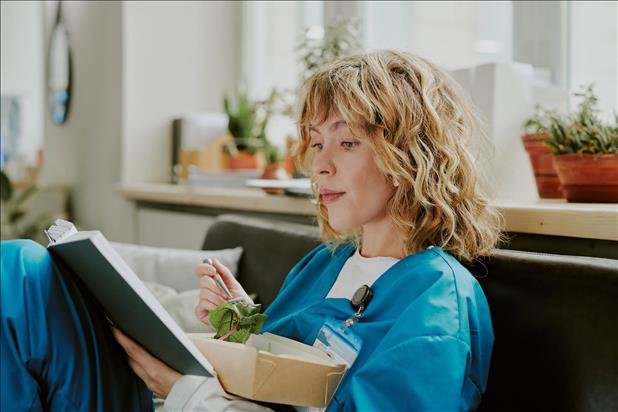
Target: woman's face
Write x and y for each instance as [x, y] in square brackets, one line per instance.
[353, 189]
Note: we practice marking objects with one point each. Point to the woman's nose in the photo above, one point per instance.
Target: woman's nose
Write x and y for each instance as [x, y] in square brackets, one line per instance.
[323, 164]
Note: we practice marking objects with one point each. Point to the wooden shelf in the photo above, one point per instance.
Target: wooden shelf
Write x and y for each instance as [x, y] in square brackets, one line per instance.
[545, 217]
[247, 199]
[559, 218]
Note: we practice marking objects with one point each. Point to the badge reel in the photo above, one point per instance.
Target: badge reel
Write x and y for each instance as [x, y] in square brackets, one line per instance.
[337, 339]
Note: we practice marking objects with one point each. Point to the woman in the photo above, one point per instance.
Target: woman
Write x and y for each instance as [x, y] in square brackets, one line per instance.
[385, 137]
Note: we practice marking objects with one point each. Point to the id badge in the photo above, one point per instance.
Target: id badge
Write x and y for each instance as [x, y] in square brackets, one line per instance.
[339, 343]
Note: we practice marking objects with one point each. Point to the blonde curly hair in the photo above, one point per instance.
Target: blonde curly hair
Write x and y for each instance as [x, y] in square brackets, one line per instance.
[420, 128]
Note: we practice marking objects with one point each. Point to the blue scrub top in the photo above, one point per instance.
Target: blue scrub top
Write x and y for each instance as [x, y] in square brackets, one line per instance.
[427, 334]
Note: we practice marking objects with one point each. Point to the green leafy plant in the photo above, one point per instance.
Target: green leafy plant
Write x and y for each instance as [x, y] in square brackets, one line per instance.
[14, 221]
[338, 39]
[537, 124]
[272, 153]
[247, 122]
[235, 322]
[316, 48]
[582, 132]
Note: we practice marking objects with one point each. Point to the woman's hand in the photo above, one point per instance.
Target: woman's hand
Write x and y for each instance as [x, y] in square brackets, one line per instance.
[156, 375]
[211, 295]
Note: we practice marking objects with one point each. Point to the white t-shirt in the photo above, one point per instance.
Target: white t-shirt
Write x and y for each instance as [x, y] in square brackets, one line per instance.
[358, 271]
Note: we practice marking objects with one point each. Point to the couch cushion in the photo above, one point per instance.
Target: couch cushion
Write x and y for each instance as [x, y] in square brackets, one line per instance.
[173, 267]
[271, 249]
[556, 326]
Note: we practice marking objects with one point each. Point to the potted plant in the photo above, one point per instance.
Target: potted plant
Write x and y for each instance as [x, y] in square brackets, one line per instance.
[320, 47]
[585, 152]
[546, 177]
[247, 125]
[16, 221]
[274, 167]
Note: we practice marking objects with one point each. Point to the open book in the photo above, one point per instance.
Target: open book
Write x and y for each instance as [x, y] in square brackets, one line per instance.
[127, 302]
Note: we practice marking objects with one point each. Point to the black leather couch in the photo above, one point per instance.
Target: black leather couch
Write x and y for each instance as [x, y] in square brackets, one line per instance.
[555, 317]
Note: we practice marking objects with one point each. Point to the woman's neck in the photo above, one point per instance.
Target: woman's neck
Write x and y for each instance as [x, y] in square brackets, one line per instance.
[382, 239]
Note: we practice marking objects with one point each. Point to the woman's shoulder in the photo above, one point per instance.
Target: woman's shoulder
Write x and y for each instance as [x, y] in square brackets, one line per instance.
[452, 270]
[446, 289]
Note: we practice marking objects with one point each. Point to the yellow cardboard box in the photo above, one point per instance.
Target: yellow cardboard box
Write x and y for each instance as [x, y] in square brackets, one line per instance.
[272, 368]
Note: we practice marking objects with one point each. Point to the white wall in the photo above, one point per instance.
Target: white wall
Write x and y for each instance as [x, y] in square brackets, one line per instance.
[178, 57]
[137, 65]
[21, 71]
[85, 152]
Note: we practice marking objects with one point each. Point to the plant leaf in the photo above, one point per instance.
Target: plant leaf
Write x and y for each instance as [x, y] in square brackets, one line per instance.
[24, 195]
[16, 214]
[227, 315]
[6, 187]
[239, 336]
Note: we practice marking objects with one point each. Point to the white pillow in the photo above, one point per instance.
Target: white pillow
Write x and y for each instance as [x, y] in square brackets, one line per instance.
[174, 268]
[161, 292]
[182, 308]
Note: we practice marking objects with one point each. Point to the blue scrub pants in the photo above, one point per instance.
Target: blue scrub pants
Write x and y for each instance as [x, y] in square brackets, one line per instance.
[58, 352]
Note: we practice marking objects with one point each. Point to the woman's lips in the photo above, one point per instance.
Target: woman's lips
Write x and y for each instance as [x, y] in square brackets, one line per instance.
[327, 198]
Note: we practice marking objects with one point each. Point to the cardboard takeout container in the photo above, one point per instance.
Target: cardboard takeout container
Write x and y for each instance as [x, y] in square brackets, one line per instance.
[272, 368]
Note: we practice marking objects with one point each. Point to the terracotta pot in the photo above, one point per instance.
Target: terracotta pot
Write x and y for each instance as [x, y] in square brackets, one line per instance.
[545, 175]
[288, 163]
[588, 178]
[244, 160]
[274, 171]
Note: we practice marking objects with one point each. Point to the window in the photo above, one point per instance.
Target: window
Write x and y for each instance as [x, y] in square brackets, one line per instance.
[592, 46]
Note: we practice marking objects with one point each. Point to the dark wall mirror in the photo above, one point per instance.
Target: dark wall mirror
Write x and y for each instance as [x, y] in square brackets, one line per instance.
[59, 77]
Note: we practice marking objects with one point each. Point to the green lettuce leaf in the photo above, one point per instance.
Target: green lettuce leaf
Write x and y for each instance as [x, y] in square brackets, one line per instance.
[246, 318]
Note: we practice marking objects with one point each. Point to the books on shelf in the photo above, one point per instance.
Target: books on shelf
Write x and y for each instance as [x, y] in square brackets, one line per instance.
[227, 178]
[295, 187]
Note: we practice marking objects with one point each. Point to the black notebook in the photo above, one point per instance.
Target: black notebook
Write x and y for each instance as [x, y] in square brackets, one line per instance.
[127, 302]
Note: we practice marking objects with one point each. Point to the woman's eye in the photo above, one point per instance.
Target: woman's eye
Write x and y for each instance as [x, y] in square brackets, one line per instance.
[348, 145]
[317, 146]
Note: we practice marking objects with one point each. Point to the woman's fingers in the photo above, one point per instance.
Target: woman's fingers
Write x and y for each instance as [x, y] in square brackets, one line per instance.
[230, 281]
[211, 294]
[204, 269]
[133, 349]
[207, 303]
[208, 284]
[139, 371]
[130, 347]
[157, 375]
[206, 275]
[222, 269]
[216, 267]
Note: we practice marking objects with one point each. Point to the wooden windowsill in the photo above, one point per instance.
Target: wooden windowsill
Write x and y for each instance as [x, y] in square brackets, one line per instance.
[545, 217]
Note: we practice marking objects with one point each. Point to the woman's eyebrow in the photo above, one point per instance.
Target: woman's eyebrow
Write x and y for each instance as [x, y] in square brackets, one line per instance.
[338, 125]
[333, 127]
